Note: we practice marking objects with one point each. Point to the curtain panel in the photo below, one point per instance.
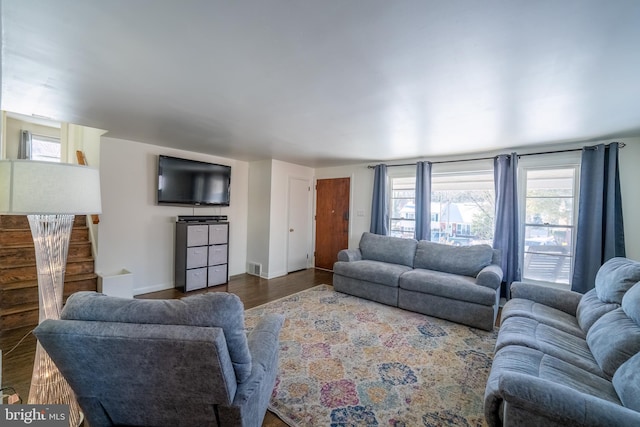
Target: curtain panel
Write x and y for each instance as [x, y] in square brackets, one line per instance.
[24, 149]
[505, 238]
[600, 230]
[379, 208]
[423, 201]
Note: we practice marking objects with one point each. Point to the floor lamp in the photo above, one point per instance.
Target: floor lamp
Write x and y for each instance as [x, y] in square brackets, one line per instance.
[50, 194]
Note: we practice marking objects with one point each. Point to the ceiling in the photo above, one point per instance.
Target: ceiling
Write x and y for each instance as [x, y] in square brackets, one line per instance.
[328, 82]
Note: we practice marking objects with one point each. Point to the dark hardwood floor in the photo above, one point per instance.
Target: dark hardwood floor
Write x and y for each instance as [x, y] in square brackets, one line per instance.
[252, 290]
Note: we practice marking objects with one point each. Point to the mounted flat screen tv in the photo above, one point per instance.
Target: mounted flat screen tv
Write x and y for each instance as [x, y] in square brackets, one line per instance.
[193, 183]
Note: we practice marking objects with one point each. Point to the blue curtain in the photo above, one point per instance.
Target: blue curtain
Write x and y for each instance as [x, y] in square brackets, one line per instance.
[379, 211]
[505, 238]
[423, 201]
[600, 233]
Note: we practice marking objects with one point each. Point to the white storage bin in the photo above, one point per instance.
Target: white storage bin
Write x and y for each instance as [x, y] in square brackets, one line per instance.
[119, 284]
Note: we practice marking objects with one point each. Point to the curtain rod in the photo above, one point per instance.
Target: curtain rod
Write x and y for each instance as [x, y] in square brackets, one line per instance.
[621, 145]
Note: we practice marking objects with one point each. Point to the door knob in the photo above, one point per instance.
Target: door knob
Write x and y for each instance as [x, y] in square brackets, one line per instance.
[291, 230]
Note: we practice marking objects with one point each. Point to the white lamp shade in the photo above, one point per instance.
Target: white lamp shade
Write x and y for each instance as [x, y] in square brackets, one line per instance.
[32, 187]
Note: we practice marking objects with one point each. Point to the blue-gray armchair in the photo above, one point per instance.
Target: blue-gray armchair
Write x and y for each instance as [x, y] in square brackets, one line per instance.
[180, 362]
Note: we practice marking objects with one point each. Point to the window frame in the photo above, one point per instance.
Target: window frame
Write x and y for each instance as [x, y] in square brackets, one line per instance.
[443, 170]
[539, 163]
[398, 172]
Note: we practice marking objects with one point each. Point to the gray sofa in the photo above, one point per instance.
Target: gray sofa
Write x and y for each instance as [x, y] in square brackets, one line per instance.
[181, 362]
[457, 283]
[567, 359]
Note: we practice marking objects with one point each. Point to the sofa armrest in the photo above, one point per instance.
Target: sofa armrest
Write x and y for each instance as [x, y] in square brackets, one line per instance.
[264, 344]
[547, 400]
[559, 299]
[349, 255]
[490, 276]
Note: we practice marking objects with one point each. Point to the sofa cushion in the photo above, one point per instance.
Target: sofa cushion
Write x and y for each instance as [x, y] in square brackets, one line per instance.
[515, 375]
[590, 309]
[520, 307]
[382, 273]
[626, 381]
[615, 277]
[522, 331]
[631, 303]
[462, 260]
[215, 309]
[393, 250]
[462, 288]
[613, 339]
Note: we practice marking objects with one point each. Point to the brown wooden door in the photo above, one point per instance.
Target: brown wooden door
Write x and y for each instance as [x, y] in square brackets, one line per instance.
[332, 220]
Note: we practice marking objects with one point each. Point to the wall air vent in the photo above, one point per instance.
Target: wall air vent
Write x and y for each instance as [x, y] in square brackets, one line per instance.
[254, 269]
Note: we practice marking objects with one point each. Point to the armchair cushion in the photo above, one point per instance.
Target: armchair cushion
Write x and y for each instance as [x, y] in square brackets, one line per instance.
[490, 276]
[119, 371]
[215, 309]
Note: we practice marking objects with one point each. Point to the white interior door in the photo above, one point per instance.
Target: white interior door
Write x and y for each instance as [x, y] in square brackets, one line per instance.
[299, 220]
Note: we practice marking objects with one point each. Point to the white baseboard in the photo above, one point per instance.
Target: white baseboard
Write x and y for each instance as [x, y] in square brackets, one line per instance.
[154, 288]
[273, 275]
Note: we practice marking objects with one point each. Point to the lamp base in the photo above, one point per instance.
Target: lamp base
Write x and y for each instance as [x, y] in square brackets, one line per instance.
[48, 386]
[51, 235]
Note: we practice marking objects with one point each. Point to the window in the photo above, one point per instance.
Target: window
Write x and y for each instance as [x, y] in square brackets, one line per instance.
[462, 207]
[45, 148]
[403, 206]
[548, 219]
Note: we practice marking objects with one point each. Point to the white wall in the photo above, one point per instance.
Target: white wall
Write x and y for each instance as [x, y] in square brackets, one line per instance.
[362, 187]
[630, 188]
[138, 235]
[259, 215]
[3, 136]
[268, 217]
[279, 218]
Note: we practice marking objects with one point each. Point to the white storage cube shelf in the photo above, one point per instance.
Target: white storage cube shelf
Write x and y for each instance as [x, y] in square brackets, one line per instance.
[201, 254]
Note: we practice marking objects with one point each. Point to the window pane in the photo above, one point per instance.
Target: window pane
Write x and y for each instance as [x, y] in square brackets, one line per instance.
[547, 267]
[462, 217]
[462, 208]
[549, 239]
[549, 218]
[403, 207]
[45, 148]
[552, 210]
[550, 182]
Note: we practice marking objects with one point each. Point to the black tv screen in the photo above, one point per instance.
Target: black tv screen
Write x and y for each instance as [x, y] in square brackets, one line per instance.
[190, 182]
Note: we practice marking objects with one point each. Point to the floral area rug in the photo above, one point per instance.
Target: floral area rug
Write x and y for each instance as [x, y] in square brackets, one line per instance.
[347, 361]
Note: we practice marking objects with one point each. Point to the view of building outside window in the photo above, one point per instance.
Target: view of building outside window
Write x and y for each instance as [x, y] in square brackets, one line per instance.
[402, 206]
[462, 208]
[549, 220]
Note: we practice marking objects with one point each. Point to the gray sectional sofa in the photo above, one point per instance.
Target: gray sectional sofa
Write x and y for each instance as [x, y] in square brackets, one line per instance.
[457, 283]
[567, 359]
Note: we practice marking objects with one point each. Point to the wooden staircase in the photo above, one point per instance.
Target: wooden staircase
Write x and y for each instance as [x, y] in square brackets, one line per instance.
[18, 276]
